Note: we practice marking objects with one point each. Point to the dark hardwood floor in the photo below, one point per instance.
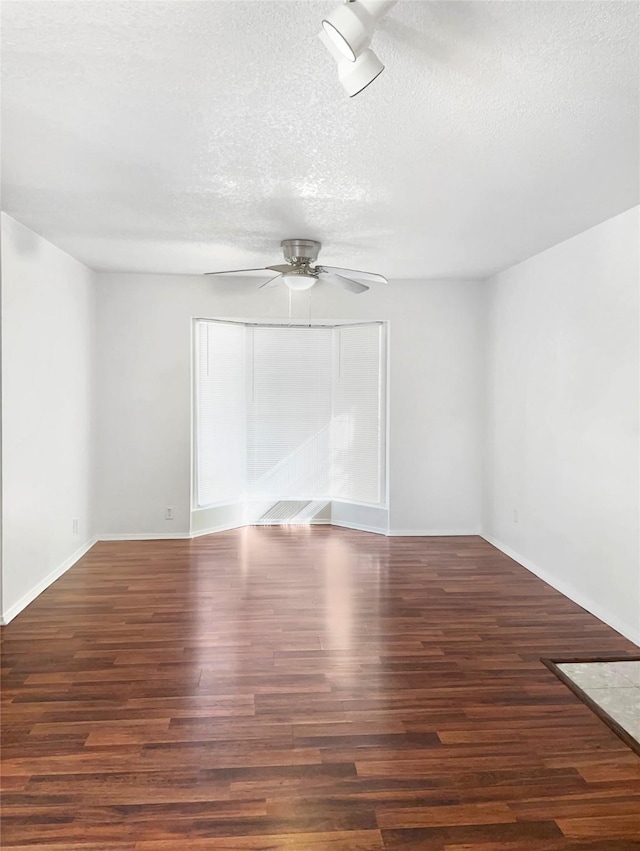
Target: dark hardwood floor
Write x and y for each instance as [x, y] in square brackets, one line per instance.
[307, 688]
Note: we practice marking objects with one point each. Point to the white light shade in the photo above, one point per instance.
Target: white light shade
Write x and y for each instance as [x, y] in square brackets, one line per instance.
[350, 27]
[298, 280]
[350, 30]
[356, 76]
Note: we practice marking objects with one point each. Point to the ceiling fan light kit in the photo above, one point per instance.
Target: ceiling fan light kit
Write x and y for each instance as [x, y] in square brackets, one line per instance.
[299, 273]
[299, 280]
[347, 34]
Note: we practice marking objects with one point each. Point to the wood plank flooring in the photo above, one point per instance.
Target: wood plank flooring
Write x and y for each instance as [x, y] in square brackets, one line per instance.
[307, 688]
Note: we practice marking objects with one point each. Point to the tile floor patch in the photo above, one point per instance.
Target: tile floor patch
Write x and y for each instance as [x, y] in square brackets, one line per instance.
[622, 704]
[597, 674]
[613, 686]
[631, 670]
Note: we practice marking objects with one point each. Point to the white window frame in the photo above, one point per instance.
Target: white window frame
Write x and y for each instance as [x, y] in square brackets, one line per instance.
[384, 416]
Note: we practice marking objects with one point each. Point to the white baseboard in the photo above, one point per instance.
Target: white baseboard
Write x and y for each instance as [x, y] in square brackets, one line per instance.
[228, 527]
[144, 536]
[359, 527]
[567, 590]
[41, 586]
[288, 523]
[224, 528]
[432, 533]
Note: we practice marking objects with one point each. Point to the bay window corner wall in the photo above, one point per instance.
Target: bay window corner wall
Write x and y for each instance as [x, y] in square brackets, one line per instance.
[288, 419]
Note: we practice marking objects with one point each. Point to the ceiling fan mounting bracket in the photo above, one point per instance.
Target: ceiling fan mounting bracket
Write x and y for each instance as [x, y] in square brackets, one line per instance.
[300, 251]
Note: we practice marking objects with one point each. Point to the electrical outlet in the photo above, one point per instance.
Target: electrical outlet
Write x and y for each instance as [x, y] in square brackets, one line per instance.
[515, 515]
[168, 514]
[75, 525]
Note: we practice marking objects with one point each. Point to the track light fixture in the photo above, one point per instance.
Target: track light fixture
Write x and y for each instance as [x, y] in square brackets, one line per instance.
[354, 76]
[347, 34]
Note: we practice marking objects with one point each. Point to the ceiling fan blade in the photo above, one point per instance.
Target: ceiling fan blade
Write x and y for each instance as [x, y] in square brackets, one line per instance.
[233, 271]
[365, 276]
[345, 283]
[286, 267]
[272, 282]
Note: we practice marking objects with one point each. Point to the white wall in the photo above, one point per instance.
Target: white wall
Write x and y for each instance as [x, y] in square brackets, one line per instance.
[143, 372]
[562, 418]
[48, 320]
[538, 368]
[435, 399]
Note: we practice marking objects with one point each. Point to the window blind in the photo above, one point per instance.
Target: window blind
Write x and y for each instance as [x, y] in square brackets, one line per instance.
[358, 438]
[289, 414]
[220, 413]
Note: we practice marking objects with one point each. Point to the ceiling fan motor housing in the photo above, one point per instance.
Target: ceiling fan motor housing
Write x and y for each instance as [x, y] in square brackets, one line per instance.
[300, 251]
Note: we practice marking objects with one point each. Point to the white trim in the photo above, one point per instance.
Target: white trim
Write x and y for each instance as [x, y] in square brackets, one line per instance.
[41, 586]
[312, 522]
[144, 536]
[268, 323]
[381, 505]
[211, 530]
[432, 533]
[225, 527]
[359, 527]
[567, 590]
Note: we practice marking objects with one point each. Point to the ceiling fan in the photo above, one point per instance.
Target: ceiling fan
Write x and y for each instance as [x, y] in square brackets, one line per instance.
[299, 273]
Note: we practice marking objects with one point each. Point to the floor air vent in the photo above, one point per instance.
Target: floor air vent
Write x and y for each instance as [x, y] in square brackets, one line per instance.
[288, 512]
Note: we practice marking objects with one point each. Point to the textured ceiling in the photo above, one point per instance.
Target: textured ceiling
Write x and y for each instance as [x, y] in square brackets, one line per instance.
[186, 136]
